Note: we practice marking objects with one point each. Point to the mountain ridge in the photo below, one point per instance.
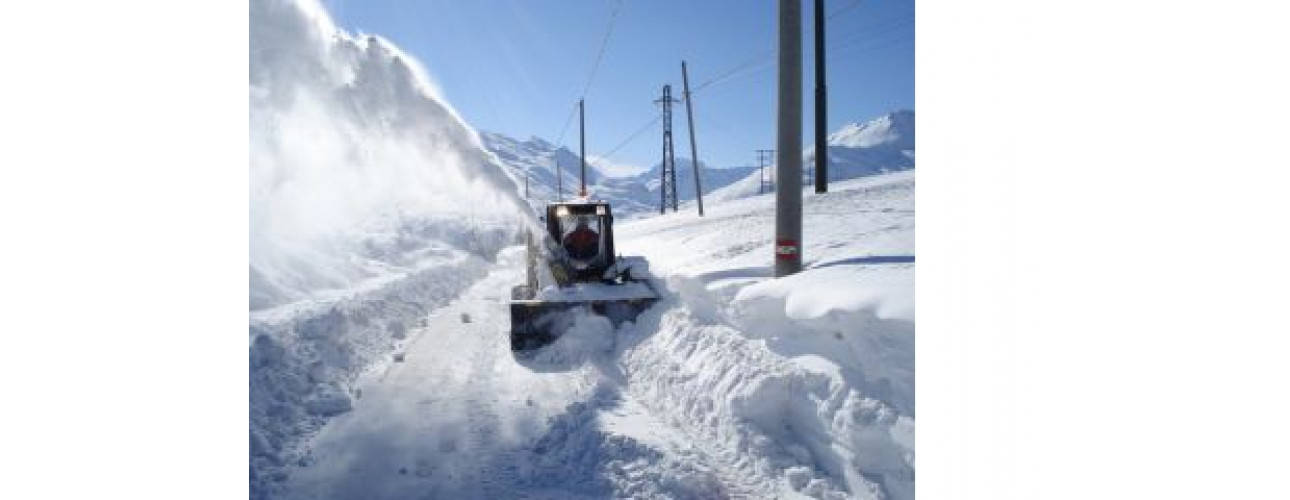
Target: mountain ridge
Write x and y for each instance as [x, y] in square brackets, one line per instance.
[857, 149]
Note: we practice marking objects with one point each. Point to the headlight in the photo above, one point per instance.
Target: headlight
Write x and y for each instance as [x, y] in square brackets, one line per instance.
[561, 211]
[600, 210]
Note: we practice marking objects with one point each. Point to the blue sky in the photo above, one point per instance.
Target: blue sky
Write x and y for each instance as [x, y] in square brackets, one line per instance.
[519, 66]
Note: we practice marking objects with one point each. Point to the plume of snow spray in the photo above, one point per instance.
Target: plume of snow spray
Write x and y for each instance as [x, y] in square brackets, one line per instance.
[350, 141]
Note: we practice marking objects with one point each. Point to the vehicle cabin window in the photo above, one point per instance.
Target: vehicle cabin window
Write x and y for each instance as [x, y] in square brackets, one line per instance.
[580, 236]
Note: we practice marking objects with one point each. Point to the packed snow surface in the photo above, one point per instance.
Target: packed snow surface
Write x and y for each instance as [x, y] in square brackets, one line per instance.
[735, 385]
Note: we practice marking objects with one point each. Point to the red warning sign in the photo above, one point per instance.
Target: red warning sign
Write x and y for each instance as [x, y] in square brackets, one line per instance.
[786, 249]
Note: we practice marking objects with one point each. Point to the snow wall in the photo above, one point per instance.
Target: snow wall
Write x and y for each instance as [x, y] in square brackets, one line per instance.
[371, 202]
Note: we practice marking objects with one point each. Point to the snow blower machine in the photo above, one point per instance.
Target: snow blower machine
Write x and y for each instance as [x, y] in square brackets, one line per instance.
[571, 270]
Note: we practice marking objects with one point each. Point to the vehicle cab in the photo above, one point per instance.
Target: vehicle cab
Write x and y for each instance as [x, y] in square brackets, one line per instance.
[584, 232]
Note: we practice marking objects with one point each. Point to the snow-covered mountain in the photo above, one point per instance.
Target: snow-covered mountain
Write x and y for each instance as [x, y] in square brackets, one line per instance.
[883, 144]
[635, 194]
[895, 130]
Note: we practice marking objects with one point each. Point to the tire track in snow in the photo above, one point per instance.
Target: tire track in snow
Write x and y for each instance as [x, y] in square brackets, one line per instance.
[456, 419]
[461, 418]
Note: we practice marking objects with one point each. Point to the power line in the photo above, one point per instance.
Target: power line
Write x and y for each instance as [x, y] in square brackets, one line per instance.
[591, 74]
[766, 59]
[756, 64]
[860, 49]
[883, 26]
[761, 58]
[604, 42]
[630, 138]
[844, 8]
[567, 121]
[768, 55]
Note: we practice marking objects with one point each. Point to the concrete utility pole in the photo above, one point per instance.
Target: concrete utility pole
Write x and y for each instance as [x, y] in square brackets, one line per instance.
[694, 152]
[788, 195]
[667, 184]
[582, 152]
[821, 103]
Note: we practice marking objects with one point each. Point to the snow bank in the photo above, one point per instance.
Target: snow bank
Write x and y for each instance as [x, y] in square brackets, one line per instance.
[818, 292]
[770, 426]
[805, 383]
[304, 365]
[370, 204]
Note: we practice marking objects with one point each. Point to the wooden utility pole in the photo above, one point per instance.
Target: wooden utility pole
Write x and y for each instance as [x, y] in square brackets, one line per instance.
[821, 103]
[788, 194]
[694, 152]
[582, 153]
[559, 178]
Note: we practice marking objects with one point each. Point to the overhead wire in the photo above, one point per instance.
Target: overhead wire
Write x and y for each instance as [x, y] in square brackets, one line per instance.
[844, 8]
[600, 53]
[728, 74]
[592, 71]
[859, 48]
[643, 128]
[884, 26]
[595, 67]
[763, 61]
[766, 56]
[567, 121]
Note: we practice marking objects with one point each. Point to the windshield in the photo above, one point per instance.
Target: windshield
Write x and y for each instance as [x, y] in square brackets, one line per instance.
[580, 236]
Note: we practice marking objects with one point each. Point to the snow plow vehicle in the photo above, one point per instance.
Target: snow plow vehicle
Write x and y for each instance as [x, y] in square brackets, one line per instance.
[571, 270]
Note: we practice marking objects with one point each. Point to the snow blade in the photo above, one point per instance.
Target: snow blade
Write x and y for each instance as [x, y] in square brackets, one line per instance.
[537, 323]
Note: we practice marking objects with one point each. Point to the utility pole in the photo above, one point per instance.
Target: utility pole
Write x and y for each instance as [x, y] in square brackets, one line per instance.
[667, 184]
[821, 103]
[764, 156]
[526, 184]
[694, 152]
[559, 179]
[582, 153]
[788, 195]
